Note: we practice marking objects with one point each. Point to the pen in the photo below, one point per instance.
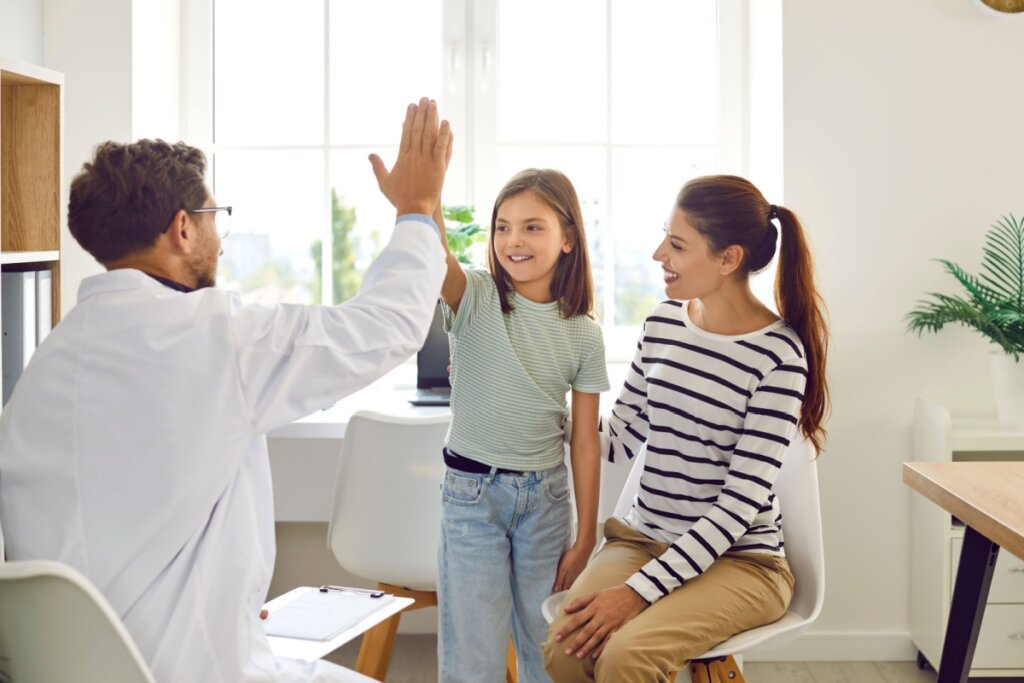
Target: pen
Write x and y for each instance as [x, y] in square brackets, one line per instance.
[362, 591]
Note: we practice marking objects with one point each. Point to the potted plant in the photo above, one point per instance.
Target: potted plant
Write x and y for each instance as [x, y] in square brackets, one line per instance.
[463, 232]
[992, 305]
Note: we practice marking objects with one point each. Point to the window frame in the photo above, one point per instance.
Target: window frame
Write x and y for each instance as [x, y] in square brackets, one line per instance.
[469, 57]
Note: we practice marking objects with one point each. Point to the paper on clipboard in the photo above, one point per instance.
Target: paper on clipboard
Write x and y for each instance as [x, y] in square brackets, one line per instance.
[321, 616]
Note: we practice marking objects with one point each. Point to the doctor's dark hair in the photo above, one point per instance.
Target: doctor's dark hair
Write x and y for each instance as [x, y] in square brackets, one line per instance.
[572, 285]
[730, 210]
[128, 194]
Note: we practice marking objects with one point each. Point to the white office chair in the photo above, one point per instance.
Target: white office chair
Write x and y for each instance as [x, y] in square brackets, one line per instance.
[386, 521]
[55, 627]
[797, 490]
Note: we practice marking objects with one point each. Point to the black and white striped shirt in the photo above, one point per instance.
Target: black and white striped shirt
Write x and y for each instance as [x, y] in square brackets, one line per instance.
[715, 413]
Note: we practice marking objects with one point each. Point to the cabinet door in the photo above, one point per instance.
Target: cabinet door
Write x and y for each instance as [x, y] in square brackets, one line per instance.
[1001, 639]
[1007, 580]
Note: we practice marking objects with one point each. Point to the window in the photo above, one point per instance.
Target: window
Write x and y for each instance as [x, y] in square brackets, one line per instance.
[629, 98]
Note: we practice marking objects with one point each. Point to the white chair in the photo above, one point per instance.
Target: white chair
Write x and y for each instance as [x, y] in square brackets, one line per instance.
[386, 521]
[55, 627]
[797, 490]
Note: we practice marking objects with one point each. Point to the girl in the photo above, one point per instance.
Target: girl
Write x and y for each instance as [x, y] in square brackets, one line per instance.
[521, 335]
[718, 388]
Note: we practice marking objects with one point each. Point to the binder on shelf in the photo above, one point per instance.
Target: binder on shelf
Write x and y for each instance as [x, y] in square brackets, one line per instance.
[18, 325]
[44, 304]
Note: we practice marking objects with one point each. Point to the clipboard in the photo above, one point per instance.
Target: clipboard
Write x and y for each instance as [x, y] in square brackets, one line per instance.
[307, 615]
[323, 615]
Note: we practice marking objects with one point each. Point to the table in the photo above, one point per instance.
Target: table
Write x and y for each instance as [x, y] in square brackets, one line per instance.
[988, 497]
[311, 650]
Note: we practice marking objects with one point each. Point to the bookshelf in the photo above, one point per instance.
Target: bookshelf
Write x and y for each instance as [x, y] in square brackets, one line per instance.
[31, 111]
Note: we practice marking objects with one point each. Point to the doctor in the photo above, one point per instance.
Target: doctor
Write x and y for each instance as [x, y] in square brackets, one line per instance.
[133, 448]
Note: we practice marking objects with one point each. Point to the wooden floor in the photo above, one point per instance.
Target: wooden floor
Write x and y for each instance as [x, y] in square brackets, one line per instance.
[415, 661]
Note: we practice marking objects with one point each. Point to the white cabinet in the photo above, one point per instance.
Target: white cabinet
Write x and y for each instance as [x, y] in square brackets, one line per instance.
[936, 539]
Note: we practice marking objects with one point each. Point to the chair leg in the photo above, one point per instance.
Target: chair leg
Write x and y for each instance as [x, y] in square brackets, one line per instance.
[512, 669]
[700, 672]
[724, 670]
[375, 650]
[378, 642]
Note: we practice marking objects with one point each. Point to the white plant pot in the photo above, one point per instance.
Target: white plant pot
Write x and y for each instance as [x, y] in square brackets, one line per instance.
[1008, 385]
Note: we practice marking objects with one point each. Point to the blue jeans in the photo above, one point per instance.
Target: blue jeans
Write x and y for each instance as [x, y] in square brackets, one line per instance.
[501, 538]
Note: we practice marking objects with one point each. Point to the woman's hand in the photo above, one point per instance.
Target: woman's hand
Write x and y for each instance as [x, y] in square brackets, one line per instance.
[571, 564]
[597, 617]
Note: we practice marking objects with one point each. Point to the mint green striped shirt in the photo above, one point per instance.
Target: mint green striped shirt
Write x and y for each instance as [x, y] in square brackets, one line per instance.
[511, 373]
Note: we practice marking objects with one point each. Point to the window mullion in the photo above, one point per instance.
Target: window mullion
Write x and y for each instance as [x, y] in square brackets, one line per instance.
[733, 131]
[454, 97]
[482, 72]
[327, 250]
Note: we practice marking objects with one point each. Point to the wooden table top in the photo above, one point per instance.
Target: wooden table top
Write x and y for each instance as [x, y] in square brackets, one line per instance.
[987, 496]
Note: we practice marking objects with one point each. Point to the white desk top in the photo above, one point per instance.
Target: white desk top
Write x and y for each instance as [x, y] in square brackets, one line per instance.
[331, 423]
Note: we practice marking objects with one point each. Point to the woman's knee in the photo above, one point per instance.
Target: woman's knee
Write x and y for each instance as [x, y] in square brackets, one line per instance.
[563, 668]
[623, 662]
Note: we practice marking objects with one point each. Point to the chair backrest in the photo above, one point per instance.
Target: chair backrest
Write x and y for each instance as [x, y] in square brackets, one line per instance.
[386, 520]
[797, 490]
[55, 627]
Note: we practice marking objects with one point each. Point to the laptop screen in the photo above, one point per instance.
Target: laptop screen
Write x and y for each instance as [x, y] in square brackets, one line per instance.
[432, 360]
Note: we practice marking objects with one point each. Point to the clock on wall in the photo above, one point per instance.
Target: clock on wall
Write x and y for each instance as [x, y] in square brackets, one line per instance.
[1001, 8]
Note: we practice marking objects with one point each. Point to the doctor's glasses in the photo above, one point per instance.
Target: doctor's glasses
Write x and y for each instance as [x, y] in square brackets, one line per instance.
[223, 223]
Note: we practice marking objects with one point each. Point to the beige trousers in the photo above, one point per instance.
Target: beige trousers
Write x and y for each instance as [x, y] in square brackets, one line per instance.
[738, 592]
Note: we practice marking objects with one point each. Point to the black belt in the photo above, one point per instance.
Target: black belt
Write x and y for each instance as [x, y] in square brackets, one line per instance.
[463, 464]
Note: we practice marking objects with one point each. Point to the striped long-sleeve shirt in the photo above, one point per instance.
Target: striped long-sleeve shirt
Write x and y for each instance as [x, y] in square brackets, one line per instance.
[715, 414]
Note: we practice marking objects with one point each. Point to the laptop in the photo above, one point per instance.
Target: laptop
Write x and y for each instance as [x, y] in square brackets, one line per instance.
[432, 385]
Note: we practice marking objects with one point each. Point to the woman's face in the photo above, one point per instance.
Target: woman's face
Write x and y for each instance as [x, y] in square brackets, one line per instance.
[690, 268]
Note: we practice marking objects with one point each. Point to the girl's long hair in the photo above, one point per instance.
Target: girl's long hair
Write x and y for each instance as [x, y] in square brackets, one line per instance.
[572, 285]
[729, 210]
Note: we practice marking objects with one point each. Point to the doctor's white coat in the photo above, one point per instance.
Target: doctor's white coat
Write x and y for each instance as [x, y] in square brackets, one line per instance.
[133, 448]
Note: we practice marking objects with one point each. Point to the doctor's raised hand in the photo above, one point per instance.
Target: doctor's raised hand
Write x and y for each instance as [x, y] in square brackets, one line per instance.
[414, 183]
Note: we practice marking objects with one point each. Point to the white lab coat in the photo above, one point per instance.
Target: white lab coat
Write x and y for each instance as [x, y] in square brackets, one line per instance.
[133, 448]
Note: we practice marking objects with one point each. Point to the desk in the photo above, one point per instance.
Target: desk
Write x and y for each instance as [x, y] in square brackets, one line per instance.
[383, 397]
[311, 650]
[988, 497]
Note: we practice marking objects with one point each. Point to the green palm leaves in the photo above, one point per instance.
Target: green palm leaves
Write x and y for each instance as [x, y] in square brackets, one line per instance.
[994, 301]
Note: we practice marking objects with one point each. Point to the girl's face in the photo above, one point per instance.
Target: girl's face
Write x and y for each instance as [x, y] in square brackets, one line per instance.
[528, 241]
[691, 270]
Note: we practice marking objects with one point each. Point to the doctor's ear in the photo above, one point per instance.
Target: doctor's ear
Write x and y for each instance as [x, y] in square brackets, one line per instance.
[180, 232]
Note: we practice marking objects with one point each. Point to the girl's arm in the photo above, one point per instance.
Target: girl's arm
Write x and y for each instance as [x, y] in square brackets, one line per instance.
[454, 285]
[585, 457]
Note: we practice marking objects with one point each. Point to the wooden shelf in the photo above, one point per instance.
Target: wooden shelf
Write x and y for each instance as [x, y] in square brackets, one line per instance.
[31, 109]
[11, 257]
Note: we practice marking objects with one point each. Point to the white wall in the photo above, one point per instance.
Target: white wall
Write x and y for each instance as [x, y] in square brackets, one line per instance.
[121, 81]
[900, 146]
[90, 42]
[21, 30]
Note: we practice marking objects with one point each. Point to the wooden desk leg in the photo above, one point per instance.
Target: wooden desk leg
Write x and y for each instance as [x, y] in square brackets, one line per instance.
[970, 592]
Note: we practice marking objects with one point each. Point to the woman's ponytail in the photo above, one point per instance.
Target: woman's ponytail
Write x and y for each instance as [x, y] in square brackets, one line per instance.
[799, 303]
